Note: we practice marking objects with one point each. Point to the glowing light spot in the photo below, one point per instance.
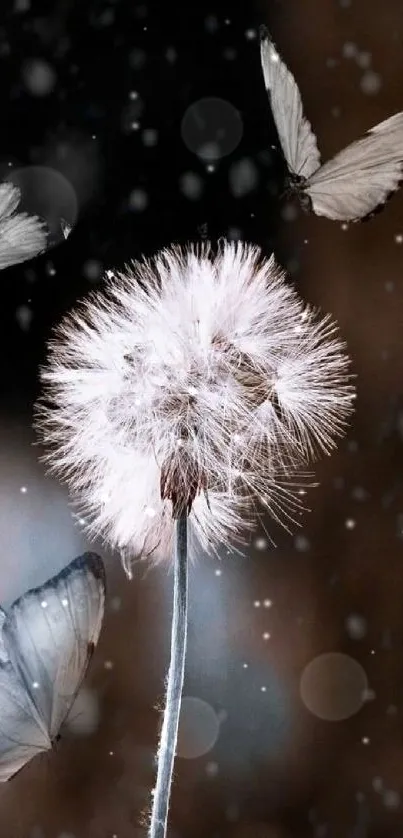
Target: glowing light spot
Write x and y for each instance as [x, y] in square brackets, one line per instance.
[211, 769]
[391, 799]
[44, 604]
[356, 626]
[377, 784]
[199, 727]
[368, 694]
[332, 686]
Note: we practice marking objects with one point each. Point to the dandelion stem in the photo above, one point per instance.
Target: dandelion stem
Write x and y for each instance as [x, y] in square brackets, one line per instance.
[170, 724]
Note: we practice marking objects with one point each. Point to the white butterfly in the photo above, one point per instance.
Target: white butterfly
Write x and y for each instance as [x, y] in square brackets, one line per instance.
[46, 642]
[22, 236]
[354, 183]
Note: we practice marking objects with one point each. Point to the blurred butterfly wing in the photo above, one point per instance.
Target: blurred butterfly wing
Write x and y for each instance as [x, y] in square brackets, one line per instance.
[51, 632]
[21, 735]
[358, 180]
[22, 236]
[3, 648]
[297, 139]
[10, 197]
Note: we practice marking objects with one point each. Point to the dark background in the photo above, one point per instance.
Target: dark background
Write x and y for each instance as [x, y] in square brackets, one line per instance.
[97, 91]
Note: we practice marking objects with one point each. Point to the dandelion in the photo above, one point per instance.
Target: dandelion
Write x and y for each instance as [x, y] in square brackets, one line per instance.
[189, 391]
[22, 236]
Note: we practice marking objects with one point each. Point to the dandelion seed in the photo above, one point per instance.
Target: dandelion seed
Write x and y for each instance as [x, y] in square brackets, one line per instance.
[191, 387]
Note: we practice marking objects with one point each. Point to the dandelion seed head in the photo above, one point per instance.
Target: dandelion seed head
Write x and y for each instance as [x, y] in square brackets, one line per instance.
[195, 381]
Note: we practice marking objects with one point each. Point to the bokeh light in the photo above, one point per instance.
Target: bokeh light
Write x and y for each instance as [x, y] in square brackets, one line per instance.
[199, 727]
[38, 76]
[212, 128]
[333, 686]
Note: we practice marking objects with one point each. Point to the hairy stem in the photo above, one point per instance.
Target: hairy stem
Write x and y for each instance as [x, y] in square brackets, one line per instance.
[170, 724]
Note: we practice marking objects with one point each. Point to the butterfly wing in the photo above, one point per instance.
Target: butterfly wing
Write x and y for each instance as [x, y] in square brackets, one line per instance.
[297, 139]
[51, 632]
[22, 236]
[358, 180]
[21, 735]
[10, 197]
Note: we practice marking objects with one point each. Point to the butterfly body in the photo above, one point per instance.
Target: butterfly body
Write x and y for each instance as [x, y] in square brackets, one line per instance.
[295, 187]
[356, 182]
[46, 643]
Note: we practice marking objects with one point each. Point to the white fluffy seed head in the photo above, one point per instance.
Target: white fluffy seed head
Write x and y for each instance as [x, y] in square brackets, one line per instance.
[195, 373]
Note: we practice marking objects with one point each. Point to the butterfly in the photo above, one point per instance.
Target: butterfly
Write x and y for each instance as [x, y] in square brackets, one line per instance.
[355, 183]
[46, 642]
[22, 236]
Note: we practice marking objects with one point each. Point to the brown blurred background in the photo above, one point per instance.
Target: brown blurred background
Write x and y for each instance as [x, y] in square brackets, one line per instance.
[264, 752]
